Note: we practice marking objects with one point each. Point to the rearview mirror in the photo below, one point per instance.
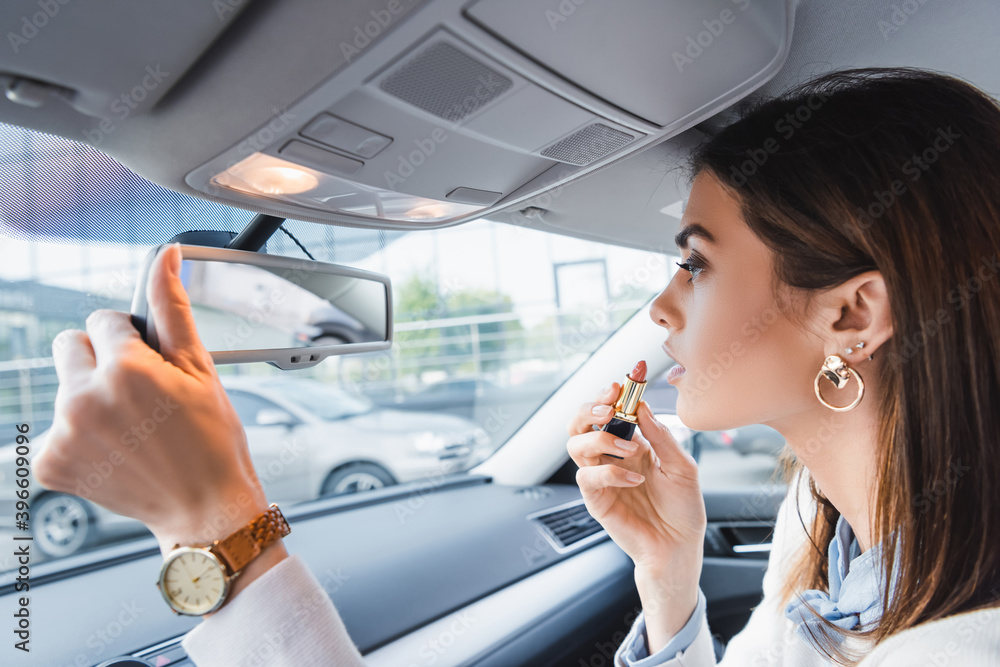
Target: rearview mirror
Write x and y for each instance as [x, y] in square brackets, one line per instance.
[291, 313]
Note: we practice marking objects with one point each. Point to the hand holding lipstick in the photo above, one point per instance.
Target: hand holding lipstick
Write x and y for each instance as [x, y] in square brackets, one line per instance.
[659, 519]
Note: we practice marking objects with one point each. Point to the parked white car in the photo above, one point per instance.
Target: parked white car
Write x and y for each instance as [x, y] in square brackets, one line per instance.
[307, 440]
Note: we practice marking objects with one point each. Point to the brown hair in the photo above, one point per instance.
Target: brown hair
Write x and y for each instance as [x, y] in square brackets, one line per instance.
[895, 170]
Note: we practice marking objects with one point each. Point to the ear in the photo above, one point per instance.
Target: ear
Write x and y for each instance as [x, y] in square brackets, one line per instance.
[856, 310]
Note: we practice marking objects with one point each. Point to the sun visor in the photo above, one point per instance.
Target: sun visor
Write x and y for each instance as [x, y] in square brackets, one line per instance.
[109, 59]
[657, 60]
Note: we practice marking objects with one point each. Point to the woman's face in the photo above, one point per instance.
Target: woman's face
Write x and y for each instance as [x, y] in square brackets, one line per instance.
[745, 360]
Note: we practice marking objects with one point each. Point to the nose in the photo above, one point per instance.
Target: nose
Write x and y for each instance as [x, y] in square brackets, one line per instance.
[664, 311]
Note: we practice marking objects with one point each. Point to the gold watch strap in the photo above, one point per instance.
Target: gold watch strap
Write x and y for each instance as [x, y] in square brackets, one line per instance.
[238, 549]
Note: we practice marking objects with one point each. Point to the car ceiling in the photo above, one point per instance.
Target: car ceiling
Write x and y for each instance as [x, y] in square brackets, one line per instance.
[957, 37]
[239, 65]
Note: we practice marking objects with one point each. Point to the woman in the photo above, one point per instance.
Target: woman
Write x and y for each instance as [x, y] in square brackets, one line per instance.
[858, 218]
[855, 218]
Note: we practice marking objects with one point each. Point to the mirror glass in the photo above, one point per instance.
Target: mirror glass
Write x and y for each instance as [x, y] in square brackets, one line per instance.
[240, 307]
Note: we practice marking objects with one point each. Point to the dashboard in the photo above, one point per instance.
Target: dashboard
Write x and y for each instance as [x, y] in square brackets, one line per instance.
[400, 563]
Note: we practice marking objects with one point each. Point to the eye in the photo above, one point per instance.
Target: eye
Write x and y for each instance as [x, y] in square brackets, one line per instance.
[693, 266]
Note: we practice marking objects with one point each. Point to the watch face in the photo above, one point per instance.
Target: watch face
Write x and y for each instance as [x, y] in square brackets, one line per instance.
[193, 581]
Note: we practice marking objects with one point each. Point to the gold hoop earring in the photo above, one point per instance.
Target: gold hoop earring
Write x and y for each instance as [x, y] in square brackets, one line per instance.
[838, 372]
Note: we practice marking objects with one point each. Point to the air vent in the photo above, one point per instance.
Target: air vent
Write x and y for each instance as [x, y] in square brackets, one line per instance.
[446, 82]
[589, 144]
[569, 526]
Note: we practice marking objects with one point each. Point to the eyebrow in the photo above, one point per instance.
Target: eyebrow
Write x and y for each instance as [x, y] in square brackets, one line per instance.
[693, 229]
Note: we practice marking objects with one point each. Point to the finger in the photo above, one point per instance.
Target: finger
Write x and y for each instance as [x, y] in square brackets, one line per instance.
[664, 445]
[594, 443]
[595, 478]
[111, 335]
[598, 412]
[645, 446]
[73, 356]
[171, 309]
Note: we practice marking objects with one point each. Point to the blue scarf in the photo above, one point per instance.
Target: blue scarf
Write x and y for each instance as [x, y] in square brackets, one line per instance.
[855, 597]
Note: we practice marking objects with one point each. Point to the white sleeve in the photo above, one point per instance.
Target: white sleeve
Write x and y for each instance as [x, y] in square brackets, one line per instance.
[700, 653]
[284, 618]
[692, 645]
[766, 638]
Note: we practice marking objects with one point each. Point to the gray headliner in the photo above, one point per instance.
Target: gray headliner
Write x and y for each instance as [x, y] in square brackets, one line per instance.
[955, 37]
[270, 56]
[629, 193]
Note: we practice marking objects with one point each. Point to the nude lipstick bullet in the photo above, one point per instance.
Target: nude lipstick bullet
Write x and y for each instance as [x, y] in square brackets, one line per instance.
[624, 421]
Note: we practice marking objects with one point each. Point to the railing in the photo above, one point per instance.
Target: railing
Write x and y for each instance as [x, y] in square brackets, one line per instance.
[464, 346]
[27, 394]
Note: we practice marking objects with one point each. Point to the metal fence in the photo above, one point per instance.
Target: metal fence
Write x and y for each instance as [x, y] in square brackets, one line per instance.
[478, 346]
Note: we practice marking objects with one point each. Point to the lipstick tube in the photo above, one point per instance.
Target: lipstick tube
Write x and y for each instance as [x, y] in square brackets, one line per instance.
[624, 421]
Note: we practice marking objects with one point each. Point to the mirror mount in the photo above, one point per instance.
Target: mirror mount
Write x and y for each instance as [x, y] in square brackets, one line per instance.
[256, 233]
[209, 239]
[253, 238]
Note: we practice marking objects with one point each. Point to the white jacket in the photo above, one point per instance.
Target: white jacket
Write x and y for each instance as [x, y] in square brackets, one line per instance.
[285, 618]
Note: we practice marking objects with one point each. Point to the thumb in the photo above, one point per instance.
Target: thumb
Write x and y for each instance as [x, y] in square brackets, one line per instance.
[171, 309]
[660, 438]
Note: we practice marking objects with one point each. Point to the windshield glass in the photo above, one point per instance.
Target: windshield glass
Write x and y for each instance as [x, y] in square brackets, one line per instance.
[326, 401]
[489, 319]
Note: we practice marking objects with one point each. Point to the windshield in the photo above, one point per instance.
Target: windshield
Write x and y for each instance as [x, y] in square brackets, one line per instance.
[326, 401]
[489, 320]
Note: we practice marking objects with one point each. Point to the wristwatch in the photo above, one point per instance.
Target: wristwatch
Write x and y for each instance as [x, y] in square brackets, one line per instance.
[195, 580]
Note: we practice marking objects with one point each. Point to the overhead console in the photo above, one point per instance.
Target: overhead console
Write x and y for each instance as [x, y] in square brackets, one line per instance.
[443, 112]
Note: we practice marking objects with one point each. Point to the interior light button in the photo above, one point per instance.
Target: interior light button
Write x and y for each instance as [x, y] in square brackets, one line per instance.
[317, 158]
[345, 136]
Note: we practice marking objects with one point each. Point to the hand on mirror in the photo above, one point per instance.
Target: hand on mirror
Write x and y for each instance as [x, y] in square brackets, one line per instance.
[150, 435]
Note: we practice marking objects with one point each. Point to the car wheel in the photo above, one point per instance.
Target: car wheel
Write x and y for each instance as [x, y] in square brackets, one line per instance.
[60, 524]
[355, 477]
